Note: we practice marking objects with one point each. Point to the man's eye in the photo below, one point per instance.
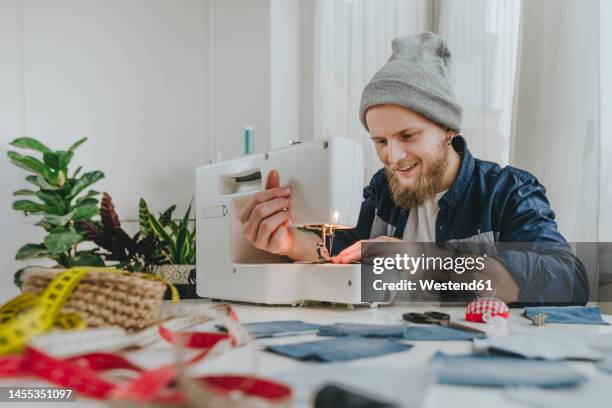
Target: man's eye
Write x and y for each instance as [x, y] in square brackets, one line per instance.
[381, 142]
[406, 136]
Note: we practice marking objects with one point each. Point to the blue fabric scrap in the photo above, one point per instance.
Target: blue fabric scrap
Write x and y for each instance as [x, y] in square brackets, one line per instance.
[281, 328]
[495, 371]
[439, 333]
[363, 330]
[339, 349]
[567, 314]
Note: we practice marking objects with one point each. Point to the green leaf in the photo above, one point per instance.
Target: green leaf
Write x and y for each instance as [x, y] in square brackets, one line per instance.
[166, 216]
[29, 163]
[55, 204]
[60, 240]
[31, 251]
[28, 206]
[40, 182]
[144, 225]
[77, 144]
[163, 236]
[86, 258]
[24, 192]
[185, 223]
[64, 160]
[58, 220]
[85, 181]
[30, 143]
[83, 201]
[180, 245]
[88, 199]
[52, 159]
[77, 171]
[85, 212]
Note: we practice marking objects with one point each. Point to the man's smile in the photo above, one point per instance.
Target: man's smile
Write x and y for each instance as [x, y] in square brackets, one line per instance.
[408, 170]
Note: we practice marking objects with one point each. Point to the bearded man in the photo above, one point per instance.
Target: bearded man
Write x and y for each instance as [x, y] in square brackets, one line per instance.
[432, 189]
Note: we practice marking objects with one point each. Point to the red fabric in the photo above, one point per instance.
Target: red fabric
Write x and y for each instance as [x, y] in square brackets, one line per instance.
[477, 309]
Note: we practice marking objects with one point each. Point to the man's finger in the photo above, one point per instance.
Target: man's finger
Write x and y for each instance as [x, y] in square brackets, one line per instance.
[261, 212]
[268, 227]
[351, 257]
[261, 197]
[349, 254]
[273, 180]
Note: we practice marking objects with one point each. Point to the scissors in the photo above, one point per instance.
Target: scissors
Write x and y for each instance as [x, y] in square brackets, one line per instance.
[439, 318]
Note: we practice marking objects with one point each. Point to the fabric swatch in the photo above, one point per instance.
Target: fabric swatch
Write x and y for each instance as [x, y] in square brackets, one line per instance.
[281, 328]
[363, 330]
[496, 371]
[438, 333]
[567, 314]
[339, 349]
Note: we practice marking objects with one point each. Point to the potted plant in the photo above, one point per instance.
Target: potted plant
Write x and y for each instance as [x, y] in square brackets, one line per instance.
[177, 245]
[58, 196]
[138, 253]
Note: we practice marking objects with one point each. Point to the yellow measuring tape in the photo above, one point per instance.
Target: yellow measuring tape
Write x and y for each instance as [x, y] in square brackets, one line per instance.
[44, 311]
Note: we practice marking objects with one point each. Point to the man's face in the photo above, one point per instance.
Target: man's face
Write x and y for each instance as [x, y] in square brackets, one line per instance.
[413, 149]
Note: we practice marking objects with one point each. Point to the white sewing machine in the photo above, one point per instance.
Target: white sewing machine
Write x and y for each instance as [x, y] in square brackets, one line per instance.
[326, 180]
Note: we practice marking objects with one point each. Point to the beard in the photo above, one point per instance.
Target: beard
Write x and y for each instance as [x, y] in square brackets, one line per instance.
[424, 187]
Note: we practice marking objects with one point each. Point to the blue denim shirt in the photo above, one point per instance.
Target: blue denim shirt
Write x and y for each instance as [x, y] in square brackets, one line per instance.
[487, 203]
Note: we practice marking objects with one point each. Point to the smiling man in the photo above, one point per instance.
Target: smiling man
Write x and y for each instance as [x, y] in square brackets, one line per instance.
[432, 189]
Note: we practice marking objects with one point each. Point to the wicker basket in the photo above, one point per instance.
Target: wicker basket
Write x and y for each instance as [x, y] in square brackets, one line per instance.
[105, 298]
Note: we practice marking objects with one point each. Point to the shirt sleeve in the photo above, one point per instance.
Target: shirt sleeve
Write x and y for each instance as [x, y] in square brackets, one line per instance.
[536, 254]
[344, 238]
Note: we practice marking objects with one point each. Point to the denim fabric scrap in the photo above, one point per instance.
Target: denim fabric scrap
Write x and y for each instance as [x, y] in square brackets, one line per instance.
[387, 331]
[280, 328]
[567, 314]
[495, 371]
[438, 333]
[339, 349]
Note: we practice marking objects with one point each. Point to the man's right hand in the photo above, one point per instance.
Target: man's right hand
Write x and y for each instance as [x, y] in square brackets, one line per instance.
[265, 218]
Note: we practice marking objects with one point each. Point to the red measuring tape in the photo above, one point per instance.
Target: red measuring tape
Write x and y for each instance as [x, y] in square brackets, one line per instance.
[84, 373]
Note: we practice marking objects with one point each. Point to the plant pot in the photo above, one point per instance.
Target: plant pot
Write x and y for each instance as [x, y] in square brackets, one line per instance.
[183, 277]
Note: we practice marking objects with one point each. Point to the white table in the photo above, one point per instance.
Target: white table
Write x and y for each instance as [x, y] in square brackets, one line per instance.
[251, 360]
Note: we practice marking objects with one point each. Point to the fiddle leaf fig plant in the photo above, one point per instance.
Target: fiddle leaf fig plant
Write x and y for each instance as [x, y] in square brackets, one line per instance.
[59, 198]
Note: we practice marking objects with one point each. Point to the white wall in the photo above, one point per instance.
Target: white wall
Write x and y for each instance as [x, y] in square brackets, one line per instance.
[605, 215]
[159, 87]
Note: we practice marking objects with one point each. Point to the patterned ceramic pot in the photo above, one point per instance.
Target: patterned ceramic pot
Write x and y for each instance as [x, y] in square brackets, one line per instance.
[181, 276]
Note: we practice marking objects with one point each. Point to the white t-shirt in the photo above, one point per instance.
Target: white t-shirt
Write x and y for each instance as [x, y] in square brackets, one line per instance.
[421, 225]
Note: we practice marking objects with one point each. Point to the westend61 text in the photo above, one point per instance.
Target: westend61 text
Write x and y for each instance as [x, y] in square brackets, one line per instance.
[429, 285]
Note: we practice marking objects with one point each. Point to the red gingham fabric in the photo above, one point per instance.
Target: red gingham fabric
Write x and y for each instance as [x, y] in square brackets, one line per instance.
[478, 308]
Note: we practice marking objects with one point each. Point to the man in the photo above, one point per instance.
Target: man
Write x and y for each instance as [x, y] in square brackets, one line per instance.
[432, 189]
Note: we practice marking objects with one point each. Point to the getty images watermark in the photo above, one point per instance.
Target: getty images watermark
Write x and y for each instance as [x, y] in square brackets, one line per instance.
[459, 271]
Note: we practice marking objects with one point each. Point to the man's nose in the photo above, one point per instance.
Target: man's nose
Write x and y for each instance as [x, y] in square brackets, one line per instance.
[396, 152]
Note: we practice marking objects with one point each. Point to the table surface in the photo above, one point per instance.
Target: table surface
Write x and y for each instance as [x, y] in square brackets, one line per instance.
[250, 359]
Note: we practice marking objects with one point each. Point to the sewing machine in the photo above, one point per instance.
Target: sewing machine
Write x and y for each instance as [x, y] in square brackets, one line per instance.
[326, 180]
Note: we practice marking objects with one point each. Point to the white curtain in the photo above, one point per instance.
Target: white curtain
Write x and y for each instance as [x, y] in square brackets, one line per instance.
[556, 129]
[353, 41]
[483, 37]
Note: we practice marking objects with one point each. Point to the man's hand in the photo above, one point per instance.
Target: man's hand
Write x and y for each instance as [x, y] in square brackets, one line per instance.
[353, 252]
[265, 218]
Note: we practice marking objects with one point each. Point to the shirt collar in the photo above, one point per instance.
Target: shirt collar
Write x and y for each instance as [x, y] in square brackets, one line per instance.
[465, 174]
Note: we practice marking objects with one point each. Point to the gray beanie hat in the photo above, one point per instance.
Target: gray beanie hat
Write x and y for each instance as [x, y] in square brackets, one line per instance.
[416, 77]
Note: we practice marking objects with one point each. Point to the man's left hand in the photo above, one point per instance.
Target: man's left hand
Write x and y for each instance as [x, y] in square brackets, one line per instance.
[353, 252]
